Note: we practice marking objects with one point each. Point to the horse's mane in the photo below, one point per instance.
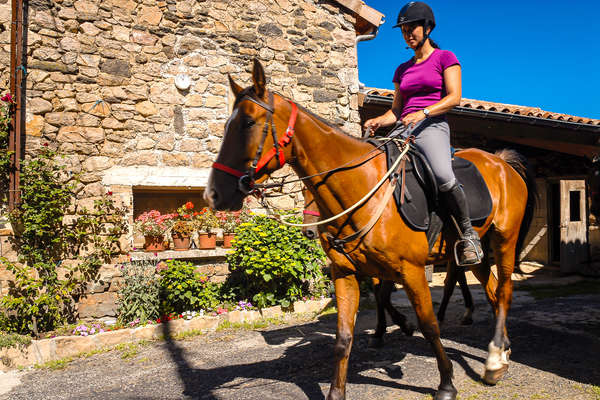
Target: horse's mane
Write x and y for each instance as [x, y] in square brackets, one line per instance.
[249, 91]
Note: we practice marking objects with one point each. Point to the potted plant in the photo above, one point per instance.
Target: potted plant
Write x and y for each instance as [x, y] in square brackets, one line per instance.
[153, 225]
[205, 221]
[229, 221]
[183, 227]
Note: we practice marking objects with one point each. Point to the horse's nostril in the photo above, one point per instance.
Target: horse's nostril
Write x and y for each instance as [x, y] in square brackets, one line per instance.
[211, 197]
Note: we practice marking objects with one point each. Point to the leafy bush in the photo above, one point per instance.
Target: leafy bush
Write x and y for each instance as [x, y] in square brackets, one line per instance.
[274, 264]
[183, 289]
[138, 297]
[39, 299]
[7, 107]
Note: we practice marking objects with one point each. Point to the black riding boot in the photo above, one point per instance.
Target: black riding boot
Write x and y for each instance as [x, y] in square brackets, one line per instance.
[468, 250]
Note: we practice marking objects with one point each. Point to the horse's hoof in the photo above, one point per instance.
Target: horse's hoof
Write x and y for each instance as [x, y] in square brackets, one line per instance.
[408, 330]
[375, 342]
[466, 321]
[493, 377]
[445, 394]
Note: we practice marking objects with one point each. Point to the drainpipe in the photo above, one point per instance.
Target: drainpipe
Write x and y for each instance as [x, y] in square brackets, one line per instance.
[18, 40]
[363, 38]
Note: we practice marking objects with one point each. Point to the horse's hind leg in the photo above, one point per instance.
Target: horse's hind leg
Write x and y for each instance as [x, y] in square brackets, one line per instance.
[467, 318]
[496, 364]
[449, 284]
[399, 319]
[347, 294]
[377, 338]
[417, 290]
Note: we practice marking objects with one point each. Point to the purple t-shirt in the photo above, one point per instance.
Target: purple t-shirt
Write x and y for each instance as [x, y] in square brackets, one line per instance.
[422, 84]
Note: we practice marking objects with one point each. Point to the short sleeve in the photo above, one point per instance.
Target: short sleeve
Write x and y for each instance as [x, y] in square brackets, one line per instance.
[399, 71]
[448, 59]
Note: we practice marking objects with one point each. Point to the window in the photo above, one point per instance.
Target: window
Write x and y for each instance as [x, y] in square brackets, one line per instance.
[575, 205]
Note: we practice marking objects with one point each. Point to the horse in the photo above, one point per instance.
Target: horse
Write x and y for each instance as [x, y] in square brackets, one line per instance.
[339, 170]
[382, 289]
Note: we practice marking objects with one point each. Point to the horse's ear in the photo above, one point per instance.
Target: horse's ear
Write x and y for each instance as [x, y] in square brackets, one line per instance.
[235, 88]
[258, 77]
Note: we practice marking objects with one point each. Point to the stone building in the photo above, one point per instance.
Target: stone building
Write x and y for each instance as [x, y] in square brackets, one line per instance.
[561, 149]
[102, 87]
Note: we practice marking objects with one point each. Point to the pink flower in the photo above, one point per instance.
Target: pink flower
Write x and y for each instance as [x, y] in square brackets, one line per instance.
[7, 98]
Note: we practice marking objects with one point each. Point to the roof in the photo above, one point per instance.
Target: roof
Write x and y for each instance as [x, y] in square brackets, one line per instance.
[368, 18]
[502, 108]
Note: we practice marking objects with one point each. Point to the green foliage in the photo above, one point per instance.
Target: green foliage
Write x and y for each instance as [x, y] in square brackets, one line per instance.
[138, 297]
[13, 340]
[274, 264]
[183, 289]
[6, 113]
[39, 299]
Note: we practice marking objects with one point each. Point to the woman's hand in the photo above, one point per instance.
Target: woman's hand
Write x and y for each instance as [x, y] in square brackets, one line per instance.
[371, 125]
[410, 120]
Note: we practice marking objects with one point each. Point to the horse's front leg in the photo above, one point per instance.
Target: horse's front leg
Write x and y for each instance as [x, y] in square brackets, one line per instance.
[417, 290]
[347, 294]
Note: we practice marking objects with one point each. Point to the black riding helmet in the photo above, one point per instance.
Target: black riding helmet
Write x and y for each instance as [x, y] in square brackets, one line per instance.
[417, 11]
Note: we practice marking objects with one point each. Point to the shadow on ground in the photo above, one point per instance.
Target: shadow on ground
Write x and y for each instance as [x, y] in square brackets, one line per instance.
[569, 353]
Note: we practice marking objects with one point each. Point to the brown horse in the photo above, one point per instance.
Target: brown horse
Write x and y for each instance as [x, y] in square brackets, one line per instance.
[383, 289]
[391, 250]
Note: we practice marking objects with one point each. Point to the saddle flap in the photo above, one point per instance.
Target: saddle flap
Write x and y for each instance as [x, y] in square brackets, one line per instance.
[421, 189]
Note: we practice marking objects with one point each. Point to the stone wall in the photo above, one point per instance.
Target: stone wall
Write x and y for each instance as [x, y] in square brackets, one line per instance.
[100, 83]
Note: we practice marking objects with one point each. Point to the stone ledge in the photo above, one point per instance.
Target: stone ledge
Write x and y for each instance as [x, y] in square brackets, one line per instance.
[217, 253]
[42, 351]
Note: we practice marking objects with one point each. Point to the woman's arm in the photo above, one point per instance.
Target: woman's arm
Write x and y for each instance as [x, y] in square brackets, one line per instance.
[453, 85]
[391, 116]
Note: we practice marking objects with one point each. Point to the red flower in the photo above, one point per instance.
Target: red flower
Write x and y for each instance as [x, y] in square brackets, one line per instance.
[189, 205]
[109, 193]
[45, 145]
[7, 98]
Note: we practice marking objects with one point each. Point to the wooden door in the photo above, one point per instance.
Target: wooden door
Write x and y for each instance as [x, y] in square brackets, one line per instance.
[573, 226]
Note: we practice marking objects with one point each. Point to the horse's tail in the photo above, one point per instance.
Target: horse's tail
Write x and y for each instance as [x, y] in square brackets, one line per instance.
[519, 163]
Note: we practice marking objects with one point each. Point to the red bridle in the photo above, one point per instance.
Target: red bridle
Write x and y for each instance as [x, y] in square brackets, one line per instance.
[313, 213]
[246, 179]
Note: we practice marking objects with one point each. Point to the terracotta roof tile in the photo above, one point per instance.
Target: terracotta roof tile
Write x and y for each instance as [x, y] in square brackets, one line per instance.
[504, 108]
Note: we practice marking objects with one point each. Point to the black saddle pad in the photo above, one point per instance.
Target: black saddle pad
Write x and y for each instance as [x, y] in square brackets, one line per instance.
[421, 193]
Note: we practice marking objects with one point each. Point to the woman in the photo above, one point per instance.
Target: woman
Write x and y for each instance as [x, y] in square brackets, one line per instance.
[426, 87]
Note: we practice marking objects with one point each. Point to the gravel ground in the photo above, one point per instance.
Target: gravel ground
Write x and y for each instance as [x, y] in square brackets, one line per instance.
[555, 355]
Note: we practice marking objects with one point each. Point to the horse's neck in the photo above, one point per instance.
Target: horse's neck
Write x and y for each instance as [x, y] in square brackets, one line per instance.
[321, 148]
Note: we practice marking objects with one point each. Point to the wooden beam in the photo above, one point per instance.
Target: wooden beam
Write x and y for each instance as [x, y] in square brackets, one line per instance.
[369, 14]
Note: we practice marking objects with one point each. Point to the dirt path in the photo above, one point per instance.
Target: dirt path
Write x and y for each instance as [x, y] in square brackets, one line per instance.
[556, 348]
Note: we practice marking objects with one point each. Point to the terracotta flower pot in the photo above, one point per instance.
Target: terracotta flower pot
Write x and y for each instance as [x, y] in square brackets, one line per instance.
[227, 238]
[181, 242]
[154, 243]
[207, 240]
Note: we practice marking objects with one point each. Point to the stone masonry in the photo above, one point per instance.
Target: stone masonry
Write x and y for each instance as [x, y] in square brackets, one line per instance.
[100, 83]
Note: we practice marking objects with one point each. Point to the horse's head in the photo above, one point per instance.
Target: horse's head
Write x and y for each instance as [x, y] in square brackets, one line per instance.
[311, 215]
[258, 122]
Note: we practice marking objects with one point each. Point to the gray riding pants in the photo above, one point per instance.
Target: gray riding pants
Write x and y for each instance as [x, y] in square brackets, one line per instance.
[432, 138]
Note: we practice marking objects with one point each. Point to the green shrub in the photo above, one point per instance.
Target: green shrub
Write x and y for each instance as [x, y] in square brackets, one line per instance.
[138, 297]
[275, 264]
[39, 299]
[183, 289]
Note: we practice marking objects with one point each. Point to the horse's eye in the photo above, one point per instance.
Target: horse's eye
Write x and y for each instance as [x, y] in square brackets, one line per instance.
[248, 123]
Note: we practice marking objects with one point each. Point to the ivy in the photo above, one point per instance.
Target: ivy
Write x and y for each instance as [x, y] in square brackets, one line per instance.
[275, 264]
[7, 107]
[39, 299]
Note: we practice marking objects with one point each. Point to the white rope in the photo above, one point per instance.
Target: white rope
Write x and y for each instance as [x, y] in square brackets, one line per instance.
[358, 203]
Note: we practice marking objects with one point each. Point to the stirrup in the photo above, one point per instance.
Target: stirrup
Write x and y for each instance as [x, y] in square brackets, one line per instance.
[476, 249]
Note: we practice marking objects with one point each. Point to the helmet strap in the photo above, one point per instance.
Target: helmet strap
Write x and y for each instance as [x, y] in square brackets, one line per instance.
[425, 34]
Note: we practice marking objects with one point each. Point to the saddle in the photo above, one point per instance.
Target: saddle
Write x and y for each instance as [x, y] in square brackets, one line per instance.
[421, 210]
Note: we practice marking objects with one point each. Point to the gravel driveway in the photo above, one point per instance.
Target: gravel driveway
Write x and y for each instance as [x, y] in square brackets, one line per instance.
[555, 355]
